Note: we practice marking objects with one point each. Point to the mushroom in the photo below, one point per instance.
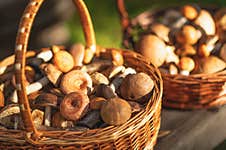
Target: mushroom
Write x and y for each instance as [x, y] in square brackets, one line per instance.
[45, 55]
[58, 121]
[97, 66]
[173, 69]
[77, 51]
[186, 65]
[34, 87]
[96, 103]
[220, 18]
[171, 56]
[186, 50]
[74, 106]
[2, 99]
[136, 86]
[62, 59]
[99, 78]
[206, 48]
[113, 71]
[205, 20]
[161, 31]
[90, 120]
[47, 101]
[153, 48]
[190, 12]
[52, 73]
[105, 91]
[223, 52]
[37, 117]
[188, 34]
[114, 55]
[211, 64]
[116, 111]
[115, 84]
[76, 80]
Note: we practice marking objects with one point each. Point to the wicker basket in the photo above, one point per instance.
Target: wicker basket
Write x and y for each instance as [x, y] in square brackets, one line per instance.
[181, 92]
[140, 132]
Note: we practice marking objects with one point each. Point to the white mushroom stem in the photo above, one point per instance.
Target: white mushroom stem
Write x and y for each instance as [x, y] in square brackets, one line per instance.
[45, 55]
[173, 69]
[180, 22]
[34, 87]
[116, 70]
[171, 56]
[47, 120]
[211, 42]
[16, 122]
[184, 72]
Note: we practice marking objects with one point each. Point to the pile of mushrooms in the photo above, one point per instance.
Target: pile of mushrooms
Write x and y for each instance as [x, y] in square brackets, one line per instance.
[66, 94]
[186, 41]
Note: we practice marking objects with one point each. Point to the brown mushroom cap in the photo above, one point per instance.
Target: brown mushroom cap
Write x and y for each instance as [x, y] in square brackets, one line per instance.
[78, 51]
[74, 106]
[223, 52]
[75, 80]
[99, 78]
[135, 86]
[186, 50]
[153, 48]
[103, 90]
[116, 111]
[186, 63]
[114, 55]
[188, 35]
[46, 99]
[161, 31]
[63, 61]
[190, 12]
[211, 64]
[205, 20]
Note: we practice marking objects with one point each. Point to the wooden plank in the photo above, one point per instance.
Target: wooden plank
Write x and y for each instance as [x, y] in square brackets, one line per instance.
[192, 130]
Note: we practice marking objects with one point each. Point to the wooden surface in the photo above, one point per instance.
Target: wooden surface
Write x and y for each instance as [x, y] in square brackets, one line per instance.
[192, 130]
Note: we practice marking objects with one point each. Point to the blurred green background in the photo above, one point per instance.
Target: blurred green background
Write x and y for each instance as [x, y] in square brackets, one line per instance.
[106, 20]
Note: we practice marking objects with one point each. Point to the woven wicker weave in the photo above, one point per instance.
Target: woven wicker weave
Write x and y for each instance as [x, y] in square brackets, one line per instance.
[179, 91]
[140, 132]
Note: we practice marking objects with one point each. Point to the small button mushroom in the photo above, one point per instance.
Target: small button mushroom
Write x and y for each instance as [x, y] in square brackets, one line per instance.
[47, 100]
[173, 69]
[188, 34]
[52, 73]
[190, 12]
[186, 65]
[116, 111]
[206, 48]
[76, 80]
[2, 99]
[63, 60]
[171, 56]
[105, 91]
[99, 78]
[37, 117]
[77, 51]
[211, 64]
[74, 106]
[136, 86]
[96, 103]
[186, 50]
[205, 20]
[58, 121]
[161, 31]
[223, 52]
[90, 120]
[153, 48]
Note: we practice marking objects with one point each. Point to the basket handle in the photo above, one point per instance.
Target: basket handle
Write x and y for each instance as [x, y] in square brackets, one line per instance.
[21, 48]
